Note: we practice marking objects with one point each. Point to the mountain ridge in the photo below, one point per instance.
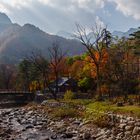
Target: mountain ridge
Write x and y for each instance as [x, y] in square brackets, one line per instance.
[118, 34]
[16, 42]
[126, 34]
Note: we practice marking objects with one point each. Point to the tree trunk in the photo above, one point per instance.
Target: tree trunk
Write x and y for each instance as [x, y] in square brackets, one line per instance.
[98, 83]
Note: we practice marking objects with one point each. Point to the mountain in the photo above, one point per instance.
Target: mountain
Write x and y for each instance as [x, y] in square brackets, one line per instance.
[120, 34]
[16, 42]
[4, 19]
[65, 34]
[5, 22]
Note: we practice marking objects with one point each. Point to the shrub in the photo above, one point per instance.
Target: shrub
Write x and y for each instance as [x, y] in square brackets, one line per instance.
[85, 83]
[101, 120]
[64, 112]
[68, 95]
[98, 118]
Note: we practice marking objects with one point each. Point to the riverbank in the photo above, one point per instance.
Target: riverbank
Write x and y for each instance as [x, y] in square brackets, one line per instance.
[35, 123]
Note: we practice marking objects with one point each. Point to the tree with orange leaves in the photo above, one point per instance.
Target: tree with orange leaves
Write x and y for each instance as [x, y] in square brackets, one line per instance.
[96, 43]
[89, 64]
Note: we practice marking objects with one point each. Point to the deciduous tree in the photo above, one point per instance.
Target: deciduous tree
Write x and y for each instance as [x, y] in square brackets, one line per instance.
[98, 41]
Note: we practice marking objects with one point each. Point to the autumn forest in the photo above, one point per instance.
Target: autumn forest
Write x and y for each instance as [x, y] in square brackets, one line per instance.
[109, 67]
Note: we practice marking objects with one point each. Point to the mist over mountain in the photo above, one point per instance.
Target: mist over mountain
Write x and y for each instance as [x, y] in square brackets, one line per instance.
[17, 42]
[126, 34]
[118, 34]
[65, 34]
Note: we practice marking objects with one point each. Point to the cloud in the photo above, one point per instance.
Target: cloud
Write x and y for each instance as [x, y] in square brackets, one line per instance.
[4, 7]
[99, 22]
[18, 4]
[88, 5]
[128, 7]
[52, 15]
[55, 15]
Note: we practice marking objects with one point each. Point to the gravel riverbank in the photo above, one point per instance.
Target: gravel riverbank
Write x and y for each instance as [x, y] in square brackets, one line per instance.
[28, 124]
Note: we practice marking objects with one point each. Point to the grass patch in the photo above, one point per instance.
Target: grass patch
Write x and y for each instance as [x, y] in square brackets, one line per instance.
[104, 107]
[96, 112]
[64, 112]
[83, 102]
[133, 110]
[88, 109]
[99, 106]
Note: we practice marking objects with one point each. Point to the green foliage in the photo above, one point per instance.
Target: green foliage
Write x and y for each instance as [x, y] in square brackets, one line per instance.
[136, 37]
[69, 95]
[85, 82]
[28, 70]
[26, 73]
[84, 55]
[34, 69]
[77, 57]
[69, 60]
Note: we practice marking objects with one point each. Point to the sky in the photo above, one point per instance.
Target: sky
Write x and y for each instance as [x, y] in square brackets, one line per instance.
[53, 16]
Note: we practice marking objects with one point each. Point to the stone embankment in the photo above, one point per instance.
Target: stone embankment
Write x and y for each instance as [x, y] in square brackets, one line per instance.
[28, 124]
